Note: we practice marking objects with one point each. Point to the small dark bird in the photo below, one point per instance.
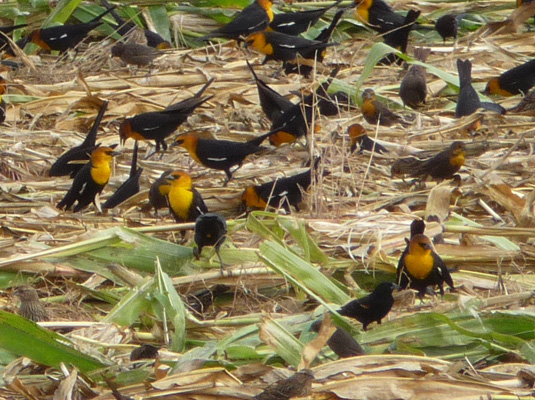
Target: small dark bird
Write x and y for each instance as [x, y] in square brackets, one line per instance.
[159, 190]
[377, 15]
[73, 160]
[217, 154]
[373, 307]
[159, 125]
[442, 166]
[200, 301]
[421, 267]
[210, 230]
[129, 187]
[124, 28]
[374, 111]
[298, 385]
[517, 80]
[295, 23]
[341, 343]
[90, 181]
[143, 352]
[413, 88]
[281, 47]
[253, 18]
[185, 202]
[447, 26]
[358, 136]
[31, 307]
[64, 37]
[468, 101]
[135, 54]
[399, 38]
[283, 192]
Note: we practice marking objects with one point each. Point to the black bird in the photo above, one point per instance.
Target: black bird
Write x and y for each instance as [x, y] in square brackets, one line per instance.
[72, 161]
[373, 307]
[159, 190]
[341, 343]
[468, 101]
[295, 23]
[399, 38]
[143, 352]
[210, 230]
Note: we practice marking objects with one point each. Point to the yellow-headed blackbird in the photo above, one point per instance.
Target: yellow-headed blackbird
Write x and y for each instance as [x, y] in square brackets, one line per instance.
[129, 187]
[373, 307]
[185, 202]
[341, 342]
[124, 28]
[358, 136]
[144, 352]
[283, 192]
[442, 166]
[200, 301]
[160, 124]
[518, 80]
[159, 190]
[2, 102]
[526, 105]
[210, 230]
[378, 15]
[468, 101]
[324, 36]
[273, 104]
[413, 88]
[253, 18]
[73, 160]
[421, 267]
[135, 54]
[8, 29]
[298, 385]
[64, 37]
[295, 23]
[374, 111]
[448, 25]
[281, 47]
[399, 38]
[217, 154]
[31, 307]
[90, 180]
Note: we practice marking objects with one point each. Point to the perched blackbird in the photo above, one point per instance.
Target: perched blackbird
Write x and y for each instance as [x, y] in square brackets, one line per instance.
[73, 160]
[295, 23]
[413, 88]
[200, 301]
[273, 104]
[31, 307]
[447, 26]
[377, 15]
[399, 38]
[421, 267]
[468, 101]
[159, 125]
[185, 202]
[124, 28]
[253, 18]
[217, 154]
[518, 80]
[64, 37]
[298, 385]
[129, 187]
[135, 54]
[283, 192]
[358, 136]
[281, 47]
[90, 180]
[373, 307]
[341, 343]
[159, 190]
[210, 230]
[374, 111]
[143, 352]
[324, 36]
[526, 105]
[442, 166]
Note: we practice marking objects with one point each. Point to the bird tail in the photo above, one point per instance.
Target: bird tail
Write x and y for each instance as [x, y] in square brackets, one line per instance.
[99, 17]
[326, 33]
[201, 90]
[91, 137]
[465, 72]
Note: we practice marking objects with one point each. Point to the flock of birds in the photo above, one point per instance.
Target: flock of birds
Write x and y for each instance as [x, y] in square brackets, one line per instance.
[277, 37]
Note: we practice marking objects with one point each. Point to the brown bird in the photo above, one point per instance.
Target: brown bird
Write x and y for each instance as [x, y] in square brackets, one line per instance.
[298, 385]
[374, 111]
[31, 307]
[143, 352]
[358, 136]
[468, 101]
[341, 342]
[135, 54]
[413, 88]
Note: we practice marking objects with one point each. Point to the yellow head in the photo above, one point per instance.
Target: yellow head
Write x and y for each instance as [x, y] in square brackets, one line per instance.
[259, 42]
[494, 87]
